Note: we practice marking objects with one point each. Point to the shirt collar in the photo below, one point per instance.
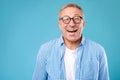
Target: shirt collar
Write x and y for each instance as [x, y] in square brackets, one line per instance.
[61, 41]
[83, 41]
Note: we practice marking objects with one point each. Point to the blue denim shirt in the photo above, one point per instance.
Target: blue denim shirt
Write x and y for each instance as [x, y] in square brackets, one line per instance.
[91, 62]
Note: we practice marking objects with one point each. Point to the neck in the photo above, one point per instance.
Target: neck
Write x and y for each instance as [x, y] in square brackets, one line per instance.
[72, 44]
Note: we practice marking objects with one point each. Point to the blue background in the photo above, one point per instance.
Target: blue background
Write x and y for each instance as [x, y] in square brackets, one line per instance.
[26, 24]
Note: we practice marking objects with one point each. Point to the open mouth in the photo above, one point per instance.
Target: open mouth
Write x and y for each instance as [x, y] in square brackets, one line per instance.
[71, 31]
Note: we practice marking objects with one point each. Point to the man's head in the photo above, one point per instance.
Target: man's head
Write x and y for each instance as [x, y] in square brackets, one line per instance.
[71, 22]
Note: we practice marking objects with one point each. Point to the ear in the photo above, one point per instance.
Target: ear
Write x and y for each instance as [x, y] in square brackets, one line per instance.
[59, 24]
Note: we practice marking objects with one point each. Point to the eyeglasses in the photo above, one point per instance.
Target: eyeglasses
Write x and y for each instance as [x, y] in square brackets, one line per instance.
[67, 19]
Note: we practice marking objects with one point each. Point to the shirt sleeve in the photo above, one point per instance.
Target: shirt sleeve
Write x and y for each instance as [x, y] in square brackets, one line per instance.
[103, 66]
[40, 69]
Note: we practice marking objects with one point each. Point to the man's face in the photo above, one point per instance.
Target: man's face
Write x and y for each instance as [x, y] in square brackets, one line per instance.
[71, 31]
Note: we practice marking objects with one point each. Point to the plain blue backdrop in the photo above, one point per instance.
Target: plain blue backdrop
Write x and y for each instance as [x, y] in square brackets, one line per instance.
[26, 24]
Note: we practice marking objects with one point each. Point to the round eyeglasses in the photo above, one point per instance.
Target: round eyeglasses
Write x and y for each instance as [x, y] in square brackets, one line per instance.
[67, 19]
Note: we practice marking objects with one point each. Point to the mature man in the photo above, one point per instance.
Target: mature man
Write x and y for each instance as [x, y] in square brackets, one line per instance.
[72, 56]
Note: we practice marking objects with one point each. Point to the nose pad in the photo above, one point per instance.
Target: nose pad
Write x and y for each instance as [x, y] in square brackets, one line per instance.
[72, 24]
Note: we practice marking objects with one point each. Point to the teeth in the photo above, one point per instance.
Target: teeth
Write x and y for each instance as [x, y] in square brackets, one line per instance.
[72, 31]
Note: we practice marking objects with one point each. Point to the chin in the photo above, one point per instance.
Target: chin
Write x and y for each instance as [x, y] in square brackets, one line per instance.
[72, 39]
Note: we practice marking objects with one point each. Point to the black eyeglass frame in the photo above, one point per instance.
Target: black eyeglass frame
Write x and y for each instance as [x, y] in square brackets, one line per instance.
[73, 18]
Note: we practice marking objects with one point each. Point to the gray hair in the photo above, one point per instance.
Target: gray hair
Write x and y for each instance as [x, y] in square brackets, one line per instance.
[71, 5]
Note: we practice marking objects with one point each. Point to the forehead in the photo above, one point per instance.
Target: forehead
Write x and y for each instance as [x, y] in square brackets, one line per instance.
[70, 11]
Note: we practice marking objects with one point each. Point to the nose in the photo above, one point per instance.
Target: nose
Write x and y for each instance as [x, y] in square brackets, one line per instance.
[72, 24]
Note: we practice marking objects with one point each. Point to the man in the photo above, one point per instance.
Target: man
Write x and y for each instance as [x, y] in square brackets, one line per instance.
[72, 56]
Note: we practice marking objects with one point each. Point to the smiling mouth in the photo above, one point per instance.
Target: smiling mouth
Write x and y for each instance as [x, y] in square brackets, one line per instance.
[72, 31]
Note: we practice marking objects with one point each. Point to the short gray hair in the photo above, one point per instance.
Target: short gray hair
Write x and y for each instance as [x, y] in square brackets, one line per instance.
[71, 5]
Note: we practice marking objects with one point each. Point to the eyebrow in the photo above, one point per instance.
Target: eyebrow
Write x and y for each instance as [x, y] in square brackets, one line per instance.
[73, 16]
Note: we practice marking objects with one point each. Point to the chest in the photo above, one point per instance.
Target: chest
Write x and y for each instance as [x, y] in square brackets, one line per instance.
[87, 68]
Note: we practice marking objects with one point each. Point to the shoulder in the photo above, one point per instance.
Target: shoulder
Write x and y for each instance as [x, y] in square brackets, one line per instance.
[94, 49]
[46, 48]
[93, 44]
[50, 43]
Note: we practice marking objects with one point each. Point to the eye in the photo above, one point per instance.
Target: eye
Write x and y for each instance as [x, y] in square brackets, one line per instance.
[66, 19]
[76, 18]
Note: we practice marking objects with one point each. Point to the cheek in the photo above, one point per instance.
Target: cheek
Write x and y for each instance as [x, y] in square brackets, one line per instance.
[81, 27]
[62, 26]
[79, 32]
